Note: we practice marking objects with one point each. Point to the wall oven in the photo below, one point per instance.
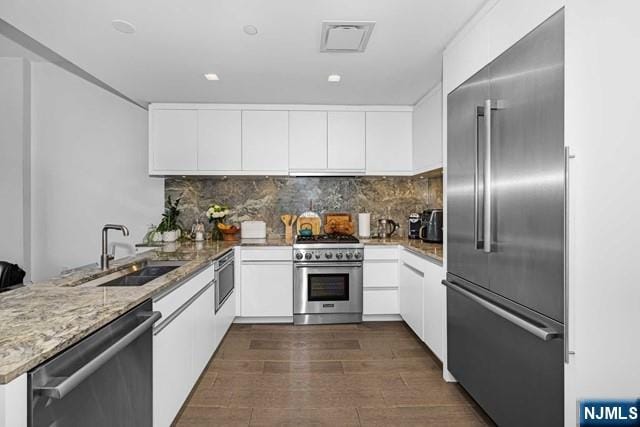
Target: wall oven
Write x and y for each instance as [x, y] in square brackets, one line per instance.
[327, 289]
[224, 279]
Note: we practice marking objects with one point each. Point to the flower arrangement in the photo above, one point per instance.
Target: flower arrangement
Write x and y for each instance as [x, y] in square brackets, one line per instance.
[215, 214]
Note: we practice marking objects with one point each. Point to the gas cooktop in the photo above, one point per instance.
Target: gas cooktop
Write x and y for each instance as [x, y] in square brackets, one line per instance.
[327, 238]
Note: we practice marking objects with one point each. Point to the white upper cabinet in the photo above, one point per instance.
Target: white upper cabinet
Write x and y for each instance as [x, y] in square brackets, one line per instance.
[219, 140]
[265, 142]
[346, 141]
[174, 141]
[427, 132]
[389, 142]
[234, 139]
[307, 141]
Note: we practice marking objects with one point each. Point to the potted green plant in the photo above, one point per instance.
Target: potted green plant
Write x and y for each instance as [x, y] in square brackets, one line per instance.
[169, 225]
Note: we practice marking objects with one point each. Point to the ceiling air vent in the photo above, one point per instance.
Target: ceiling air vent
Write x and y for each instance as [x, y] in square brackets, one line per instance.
[343, 36]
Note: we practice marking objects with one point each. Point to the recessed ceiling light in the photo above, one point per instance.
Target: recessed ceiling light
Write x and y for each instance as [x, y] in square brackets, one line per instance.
[123, 26]
[251, 30]
[334, 78]
[211, 76]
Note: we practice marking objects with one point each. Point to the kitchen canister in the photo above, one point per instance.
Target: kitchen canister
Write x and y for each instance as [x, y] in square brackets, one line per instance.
[364, 225]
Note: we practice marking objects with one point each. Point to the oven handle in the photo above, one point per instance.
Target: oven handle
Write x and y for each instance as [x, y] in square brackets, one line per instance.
[328, 264]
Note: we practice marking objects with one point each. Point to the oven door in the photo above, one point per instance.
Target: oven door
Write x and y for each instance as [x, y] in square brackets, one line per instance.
[327, 288]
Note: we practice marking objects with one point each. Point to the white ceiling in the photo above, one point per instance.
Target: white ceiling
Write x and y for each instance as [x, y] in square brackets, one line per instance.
[177, 41]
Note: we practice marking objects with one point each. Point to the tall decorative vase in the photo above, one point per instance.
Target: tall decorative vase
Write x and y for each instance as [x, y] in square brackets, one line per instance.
[216, 234]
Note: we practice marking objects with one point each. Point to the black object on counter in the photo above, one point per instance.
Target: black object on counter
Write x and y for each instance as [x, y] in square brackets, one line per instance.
[11, 276]
[431, 230]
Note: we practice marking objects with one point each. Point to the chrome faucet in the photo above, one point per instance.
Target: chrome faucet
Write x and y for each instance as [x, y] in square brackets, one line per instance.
[105, 257]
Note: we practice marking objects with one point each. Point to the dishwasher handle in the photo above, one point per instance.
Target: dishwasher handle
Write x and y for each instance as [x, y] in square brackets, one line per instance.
[66, 384]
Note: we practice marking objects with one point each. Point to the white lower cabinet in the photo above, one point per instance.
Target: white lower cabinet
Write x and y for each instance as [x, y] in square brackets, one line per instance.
[267, 288]
[411, 298]
[380, 280]
[172, 368]
[184, 340]
[434, 300]
[224, 317]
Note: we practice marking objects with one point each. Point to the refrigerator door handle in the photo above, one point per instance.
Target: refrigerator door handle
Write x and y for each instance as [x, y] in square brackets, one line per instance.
[545, 333]
[476, 183]
[487, 178]
[567, 157]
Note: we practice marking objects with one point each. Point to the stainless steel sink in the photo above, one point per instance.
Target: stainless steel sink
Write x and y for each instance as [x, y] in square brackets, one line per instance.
[139, 274]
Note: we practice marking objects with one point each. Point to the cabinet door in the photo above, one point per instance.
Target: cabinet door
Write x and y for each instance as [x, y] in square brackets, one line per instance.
[172, 368]
[411, 280]
[219, 140]
[307, 140]
[380, 301]
[203, 331]
[434, 301]
[389, 136]
[267, 289]
[174, 140]
[225, 317]
[265, 141]
[346, 140]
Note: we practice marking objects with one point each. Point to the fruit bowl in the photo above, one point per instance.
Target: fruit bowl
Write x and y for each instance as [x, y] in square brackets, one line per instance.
[229, 232]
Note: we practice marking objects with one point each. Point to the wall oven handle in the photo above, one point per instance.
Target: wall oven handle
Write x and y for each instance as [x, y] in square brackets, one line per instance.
[67, 384]
[544, 333]
[327, 264]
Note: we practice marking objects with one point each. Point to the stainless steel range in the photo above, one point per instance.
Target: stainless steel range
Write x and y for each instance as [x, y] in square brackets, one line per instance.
[327, 282]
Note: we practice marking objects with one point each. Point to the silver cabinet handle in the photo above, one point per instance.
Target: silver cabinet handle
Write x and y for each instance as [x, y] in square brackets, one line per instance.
[72, 381]
[567, 158]
[487, 178]
[544, 333]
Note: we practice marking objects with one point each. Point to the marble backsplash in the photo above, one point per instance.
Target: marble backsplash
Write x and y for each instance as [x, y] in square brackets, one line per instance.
[266, 198]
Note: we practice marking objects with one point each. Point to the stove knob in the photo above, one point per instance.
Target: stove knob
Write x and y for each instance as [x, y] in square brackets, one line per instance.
[356, 255]
[317, 255]
[349, 255]
[339, 255]
[298, 255]
[307, 255]
[328, 255]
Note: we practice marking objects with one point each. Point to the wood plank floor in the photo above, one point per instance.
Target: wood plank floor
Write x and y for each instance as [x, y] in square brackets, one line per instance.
[369, 374]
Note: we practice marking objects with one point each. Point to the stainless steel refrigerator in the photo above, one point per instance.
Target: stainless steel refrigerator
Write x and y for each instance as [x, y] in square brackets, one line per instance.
[506, 231]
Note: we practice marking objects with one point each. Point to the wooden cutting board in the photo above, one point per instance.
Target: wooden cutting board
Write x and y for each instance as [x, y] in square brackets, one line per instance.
[338, 223]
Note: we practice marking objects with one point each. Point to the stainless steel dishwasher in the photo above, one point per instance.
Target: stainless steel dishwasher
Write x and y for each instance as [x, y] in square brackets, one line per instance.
[104, 380]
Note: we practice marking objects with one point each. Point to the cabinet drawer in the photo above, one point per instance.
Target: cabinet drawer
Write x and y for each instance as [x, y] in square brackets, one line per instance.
[268, 253]
[380, 301]
[380, 273]
[388, 253]
[170, 302]
[267, 289]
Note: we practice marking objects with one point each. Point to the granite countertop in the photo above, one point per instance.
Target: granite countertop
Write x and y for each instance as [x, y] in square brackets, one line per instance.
[44, 318]
[434, 251]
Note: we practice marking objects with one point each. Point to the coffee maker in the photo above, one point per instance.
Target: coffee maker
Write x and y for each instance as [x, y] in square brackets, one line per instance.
[431, 230]
[415, 222]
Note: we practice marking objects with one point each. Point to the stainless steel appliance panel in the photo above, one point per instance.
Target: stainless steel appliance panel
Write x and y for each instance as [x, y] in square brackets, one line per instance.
[330, 279]
[465, 189]
[104, 380]
[527, 170]
[224, 279]
[514, 375]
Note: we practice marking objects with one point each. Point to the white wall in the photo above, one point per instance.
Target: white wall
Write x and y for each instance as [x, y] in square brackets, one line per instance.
[602, 104]
[427, 131]
[14, 131]
[89, 167]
